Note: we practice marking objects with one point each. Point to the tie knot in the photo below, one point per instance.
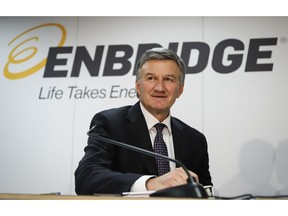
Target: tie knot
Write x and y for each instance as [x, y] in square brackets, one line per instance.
[159, 127]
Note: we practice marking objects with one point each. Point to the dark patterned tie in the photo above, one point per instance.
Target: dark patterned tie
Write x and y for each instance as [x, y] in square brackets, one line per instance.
[161, 148]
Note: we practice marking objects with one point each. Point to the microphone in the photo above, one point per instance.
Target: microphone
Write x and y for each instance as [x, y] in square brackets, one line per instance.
[190, 190]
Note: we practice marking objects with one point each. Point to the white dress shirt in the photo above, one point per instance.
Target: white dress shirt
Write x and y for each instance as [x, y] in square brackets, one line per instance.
[140, 184]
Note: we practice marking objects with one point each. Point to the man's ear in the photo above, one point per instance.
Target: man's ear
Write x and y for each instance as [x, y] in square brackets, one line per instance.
[137, 87]
[181, 89]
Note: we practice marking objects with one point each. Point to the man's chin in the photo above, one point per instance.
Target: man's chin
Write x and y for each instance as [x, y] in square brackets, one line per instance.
[160, 108]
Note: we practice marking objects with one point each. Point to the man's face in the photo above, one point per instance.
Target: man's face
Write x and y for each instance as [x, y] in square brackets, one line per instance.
[159, 86]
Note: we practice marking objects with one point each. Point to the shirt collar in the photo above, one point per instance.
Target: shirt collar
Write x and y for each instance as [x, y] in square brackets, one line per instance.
[151, 120]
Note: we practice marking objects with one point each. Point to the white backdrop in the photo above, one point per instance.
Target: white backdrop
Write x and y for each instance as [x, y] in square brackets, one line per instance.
[244, 115]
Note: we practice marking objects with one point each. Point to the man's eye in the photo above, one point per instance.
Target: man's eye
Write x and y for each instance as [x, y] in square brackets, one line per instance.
[169, 79]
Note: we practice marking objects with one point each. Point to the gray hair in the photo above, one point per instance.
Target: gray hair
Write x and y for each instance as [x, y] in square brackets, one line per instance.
[160, 53]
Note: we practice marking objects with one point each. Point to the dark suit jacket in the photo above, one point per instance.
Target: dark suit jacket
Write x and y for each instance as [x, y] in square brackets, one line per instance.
[106, 168]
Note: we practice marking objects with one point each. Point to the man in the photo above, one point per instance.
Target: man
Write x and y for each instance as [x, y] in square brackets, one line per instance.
[106, 168]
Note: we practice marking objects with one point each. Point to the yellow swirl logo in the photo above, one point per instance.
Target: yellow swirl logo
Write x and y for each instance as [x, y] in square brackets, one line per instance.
[23, 51]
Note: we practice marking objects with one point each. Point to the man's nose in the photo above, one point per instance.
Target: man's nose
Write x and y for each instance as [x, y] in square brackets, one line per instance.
[159, 85]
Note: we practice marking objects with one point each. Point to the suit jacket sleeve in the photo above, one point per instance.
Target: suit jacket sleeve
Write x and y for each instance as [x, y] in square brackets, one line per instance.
[191, 149]
[106, 168]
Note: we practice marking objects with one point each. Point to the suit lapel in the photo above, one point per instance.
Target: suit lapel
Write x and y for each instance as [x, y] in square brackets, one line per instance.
[178, 141]
[140, 136]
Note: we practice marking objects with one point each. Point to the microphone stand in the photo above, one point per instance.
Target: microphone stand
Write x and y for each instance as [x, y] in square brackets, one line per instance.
[192, 189]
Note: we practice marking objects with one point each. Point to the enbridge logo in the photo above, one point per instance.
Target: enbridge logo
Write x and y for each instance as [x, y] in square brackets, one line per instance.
[25, 48]
[227, 56]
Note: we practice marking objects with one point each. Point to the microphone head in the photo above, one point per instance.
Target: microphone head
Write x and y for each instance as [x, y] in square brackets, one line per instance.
[191, 190]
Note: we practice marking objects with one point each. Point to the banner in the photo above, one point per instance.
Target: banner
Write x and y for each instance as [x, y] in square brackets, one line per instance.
[57, 72]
